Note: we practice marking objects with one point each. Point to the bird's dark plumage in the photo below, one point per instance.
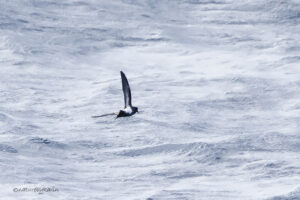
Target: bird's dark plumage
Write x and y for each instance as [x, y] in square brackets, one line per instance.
[126, 90]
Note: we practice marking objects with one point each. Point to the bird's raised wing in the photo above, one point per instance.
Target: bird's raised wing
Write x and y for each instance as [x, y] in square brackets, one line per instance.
[126, 90]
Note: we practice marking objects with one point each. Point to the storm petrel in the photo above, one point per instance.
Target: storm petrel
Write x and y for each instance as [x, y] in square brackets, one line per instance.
[128, 108]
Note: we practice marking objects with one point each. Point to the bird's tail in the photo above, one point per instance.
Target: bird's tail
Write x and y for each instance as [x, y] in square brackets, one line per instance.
[105, 115]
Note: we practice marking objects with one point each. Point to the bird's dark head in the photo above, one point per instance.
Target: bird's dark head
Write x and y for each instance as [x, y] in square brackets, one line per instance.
[135, 109]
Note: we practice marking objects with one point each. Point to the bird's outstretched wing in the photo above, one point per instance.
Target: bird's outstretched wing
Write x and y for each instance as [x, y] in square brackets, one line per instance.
[126, 90]
[115, 113]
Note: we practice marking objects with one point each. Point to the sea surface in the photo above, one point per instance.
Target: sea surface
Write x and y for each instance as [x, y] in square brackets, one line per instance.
[217, 84]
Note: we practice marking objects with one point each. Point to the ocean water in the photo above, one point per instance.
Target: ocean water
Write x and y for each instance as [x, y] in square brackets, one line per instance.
[217, 83]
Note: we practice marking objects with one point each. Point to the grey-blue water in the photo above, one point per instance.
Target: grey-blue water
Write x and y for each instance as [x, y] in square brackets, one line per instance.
[217, 83]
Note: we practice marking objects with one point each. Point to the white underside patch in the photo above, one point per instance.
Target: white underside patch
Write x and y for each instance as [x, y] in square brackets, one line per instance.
[128, 110]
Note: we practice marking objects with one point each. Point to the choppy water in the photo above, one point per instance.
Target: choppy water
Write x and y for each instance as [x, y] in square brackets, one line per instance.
[217, 82]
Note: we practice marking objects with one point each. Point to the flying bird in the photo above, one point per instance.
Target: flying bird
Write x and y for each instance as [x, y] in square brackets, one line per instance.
[128, 108]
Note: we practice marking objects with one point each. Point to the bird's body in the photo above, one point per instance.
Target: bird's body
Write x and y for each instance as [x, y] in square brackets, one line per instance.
[128, 108]
[127, 112]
